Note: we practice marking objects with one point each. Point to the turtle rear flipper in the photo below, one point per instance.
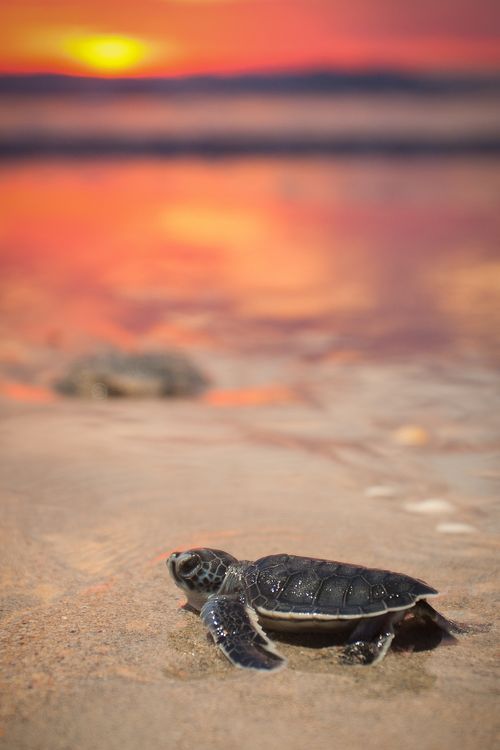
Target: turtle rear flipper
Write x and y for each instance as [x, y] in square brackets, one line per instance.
[370, 640]
[449, 628]
[236, 631]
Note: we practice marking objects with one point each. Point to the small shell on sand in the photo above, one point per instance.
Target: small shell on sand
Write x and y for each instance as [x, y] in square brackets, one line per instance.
[432, 505]
[380, 490]
[411, 435]
[455, 528]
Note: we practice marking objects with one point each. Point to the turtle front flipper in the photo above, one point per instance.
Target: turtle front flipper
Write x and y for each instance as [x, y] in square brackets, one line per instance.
[236, 631]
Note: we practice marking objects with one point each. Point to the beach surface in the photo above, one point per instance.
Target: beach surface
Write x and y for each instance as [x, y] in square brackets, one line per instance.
[390, 465]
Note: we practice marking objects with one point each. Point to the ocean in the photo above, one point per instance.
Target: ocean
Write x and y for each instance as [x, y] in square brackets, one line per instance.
[315, 224]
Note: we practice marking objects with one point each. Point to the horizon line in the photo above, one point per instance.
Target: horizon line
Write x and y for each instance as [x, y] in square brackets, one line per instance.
[297, 80]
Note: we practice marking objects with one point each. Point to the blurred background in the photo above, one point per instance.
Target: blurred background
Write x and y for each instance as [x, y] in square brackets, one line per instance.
[288, 209]
[312, 178]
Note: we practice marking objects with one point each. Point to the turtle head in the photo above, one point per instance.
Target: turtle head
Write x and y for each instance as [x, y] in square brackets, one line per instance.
[199, 572]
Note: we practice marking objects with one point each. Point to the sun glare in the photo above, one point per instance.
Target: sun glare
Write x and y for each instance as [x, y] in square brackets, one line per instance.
[107, 53]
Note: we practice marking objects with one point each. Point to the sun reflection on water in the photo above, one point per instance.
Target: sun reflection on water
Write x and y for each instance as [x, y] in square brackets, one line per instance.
[252, 255]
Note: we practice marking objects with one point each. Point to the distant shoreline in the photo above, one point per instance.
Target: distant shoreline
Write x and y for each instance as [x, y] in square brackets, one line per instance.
[232, 147]
[271, 84]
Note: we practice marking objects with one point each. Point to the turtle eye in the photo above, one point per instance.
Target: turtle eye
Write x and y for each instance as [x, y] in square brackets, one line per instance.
[188, 565]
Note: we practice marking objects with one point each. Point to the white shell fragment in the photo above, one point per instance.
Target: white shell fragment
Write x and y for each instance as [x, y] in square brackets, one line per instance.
[380, 490]
[432, 505]
[455, 528]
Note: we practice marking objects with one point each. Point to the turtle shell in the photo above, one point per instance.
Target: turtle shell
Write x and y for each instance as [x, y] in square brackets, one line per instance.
[290, 587]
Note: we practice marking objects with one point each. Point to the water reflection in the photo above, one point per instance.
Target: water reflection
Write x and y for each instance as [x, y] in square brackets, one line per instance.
[377, 256]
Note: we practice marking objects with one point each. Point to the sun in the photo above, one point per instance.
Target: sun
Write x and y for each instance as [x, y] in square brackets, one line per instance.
[107, 53]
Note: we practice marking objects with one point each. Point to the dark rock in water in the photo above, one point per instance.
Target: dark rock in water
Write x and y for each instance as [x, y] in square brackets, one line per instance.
[117, 374]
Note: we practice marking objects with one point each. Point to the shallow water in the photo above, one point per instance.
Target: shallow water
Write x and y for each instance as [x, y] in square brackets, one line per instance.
[309, 256]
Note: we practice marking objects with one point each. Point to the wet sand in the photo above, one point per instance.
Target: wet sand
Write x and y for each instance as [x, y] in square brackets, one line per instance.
[394, 466]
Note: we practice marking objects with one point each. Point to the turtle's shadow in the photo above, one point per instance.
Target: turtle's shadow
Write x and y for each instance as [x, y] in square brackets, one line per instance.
[410, 636]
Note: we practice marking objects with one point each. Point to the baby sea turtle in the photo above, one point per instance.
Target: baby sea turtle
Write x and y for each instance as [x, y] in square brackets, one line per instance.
[113, 373]
[238, 598]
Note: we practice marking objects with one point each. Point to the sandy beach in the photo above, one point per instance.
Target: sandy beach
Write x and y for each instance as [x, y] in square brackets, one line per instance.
[390, 465]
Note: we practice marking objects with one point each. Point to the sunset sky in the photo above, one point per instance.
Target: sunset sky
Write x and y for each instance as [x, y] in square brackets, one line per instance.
[172, 37]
